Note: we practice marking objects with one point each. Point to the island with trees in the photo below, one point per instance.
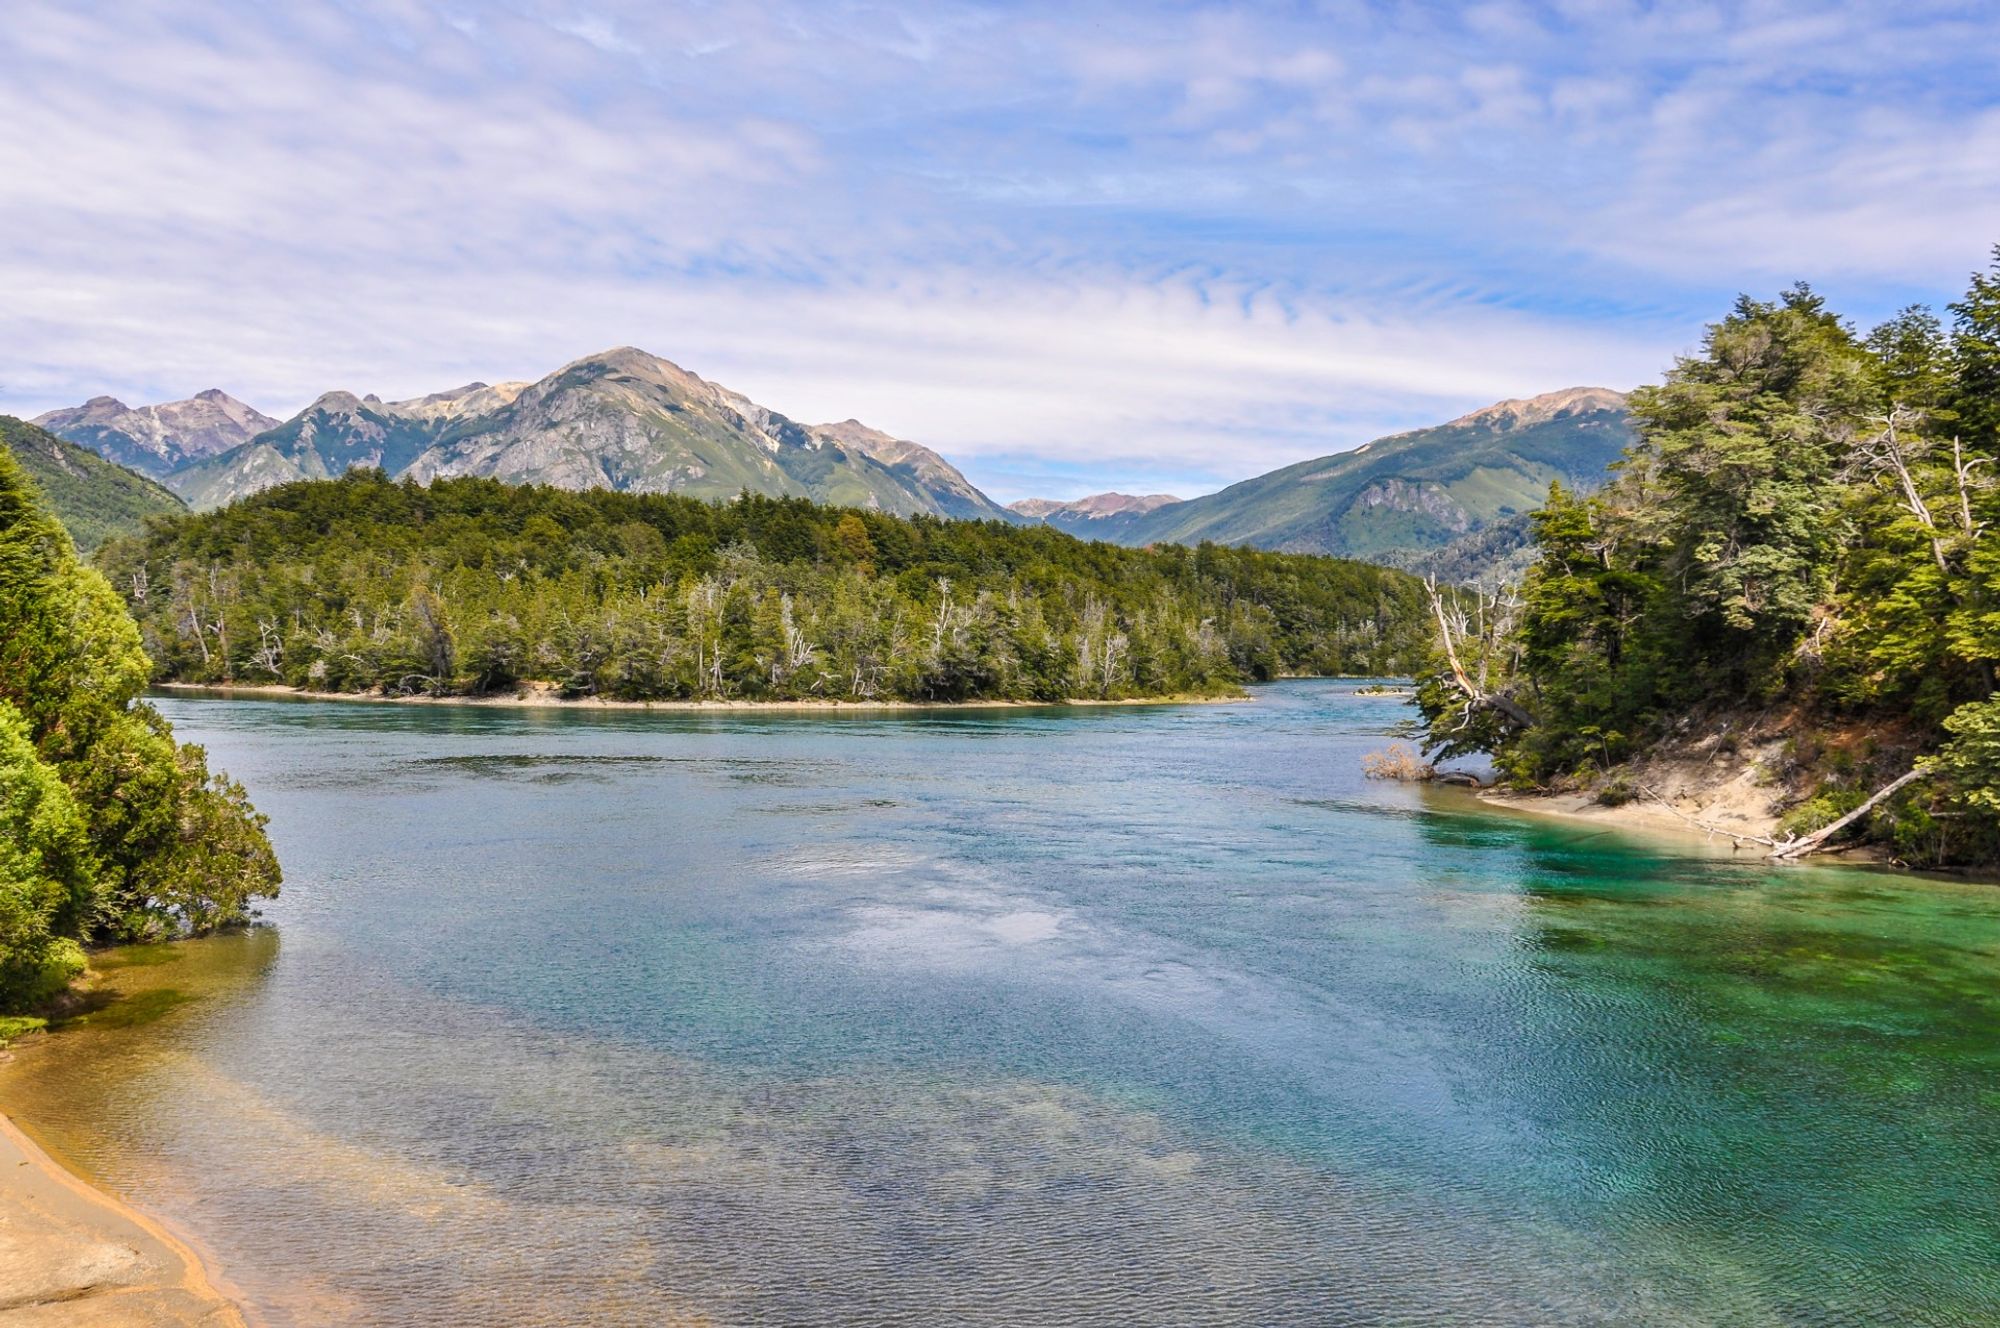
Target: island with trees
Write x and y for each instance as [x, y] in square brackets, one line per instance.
[472, 587]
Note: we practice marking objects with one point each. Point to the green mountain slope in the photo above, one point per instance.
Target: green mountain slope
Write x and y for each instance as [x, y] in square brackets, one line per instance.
[1410, 493]
[94, 499]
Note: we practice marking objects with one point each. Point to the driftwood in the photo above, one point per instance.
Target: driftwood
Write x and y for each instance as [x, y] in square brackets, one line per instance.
[1793, 849]
[1737, 837]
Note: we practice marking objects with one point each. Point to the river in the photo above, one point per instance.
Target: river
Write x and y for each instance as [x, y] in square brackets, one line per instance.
[1131, 1016]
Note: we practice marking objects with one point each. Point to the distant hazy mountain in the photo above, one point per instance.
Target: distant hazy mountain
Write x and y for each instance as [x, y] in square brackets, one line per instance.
[95, 499]
[1399, 498]
[1099, 516]
[158, 440]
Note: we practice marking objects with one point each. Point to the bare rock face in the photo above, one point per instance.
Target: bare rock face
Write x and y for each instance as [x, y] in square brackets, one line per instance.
[157, 440]
[1429, 500]
[625, 419]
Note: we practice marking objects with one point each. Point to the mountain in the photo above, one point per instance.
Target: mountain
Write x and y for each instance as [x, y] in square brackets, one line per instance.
[622, 420]
[1399, 498]
[336, 433]
[1099, 516]
[95, 499]
[158, 440]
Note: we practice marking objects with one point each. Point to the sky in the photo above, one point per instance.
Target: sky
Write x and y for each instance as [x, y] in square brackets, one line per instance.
[1072, 246]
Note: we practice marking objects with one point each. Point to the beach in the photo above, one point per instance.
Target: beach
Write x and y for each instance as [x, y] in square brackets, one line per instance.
[73, 1255]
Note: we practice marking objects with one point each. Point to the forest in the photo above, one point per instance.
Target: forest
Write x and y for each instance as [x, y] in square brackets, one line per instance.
[473, 587]
[109, 829]
[1803, 533]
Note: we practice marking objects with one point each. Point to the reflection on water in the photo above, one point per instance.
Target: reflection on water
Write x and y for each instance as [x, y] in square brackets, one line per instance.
[1130, 1017]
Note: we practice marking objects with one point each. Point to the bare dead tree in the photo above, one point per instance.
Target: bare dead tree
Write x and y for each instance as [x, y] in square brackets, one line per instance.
[1478, 634]
[1892, 451]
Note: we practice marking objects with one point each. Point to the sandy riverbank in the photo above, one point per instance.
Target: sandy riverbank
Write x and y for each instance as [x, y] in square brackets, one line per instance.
[1641, 814]
[75, 1256]
[1725, 823]
[540, 695]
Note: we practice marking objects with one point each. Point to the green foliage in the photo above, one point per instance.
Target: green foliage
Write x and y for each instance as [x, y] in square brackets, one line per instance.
[108, 829]
[1970, 760]
[95, 499]
[48, 879]
[1801, 527]
[471, 586]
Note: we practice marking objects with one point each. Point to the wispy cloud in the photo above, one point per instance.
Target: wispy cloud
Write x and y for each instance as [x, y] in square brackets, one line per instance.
[1166, 246]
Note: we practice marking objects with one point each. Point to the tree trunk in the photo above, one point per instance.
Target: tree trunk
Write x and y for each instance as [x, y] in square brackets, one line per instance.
[1794, 849]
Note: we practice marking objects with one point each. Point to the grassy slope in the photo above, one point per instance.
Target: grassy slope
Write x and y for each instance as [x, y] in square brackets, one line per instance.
[95, 499]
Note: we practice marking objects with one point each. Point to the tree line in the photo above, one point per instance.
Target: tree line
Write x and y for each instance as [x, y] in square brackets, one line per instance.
[1804, 530]
[109, 829]
[474, 587]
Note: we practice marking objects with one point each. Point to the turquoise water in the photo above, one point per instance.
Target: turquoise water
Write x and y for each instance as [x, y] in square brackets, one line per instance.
[1134, 1016]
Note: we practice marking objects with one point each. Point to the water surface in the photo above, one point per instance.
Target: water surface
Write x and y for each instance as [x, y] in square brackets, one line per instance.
[1135, 1016]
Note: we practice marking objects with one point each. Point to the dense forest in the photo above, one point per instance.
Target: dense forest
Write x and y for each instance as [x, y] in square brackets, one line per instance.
[109, 829]
[1801, 538]
[475, 587]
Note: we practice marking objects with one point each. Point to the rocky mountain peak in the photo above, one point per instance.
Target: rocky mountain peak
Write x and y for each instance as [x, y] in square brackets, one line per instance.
[1525, 411]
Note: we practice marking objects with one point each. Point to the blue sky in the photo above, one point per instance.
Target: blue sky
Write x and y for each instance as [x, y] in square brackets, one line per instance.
[1072, 246]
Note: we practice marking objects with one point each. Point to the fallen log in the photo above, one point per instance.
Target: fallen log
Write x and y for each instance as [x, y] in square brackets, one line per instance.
[1794, 849]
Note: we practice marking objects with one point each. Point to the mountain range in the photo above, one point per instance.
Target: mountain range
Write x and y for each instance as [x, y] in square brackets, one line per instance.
[622, 420]
[1451, 497]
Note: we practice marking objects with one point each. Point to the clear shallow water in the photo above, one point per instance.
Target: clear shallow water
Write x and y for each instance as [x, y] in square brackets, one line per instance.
[1137, 1016]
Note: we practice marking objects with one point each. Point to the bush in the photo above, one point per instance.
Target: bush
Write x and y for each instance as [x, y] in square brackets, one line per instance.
[1398, 760]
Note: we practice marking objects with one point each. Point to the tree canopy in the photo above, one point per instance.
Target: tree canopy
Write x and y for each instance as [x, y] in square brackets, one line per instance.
[1801, 528]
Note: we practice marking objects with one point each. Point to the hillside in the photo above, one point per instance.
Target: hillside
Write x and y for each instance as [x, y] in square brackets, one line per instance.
[159, 440]
[1402, 496]
[94, 499]
[469, 586]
